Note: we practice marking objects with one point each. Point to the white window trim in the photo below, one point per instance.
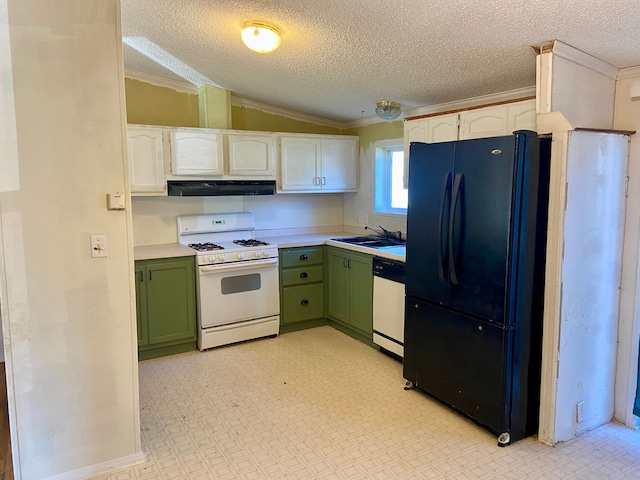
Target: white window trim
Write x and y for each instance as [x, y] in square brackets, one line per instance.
[381, 177]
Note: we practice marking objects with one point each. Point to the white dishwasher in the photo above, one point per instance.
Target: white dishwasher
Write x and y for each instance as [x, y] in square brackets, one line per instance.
[388, 305]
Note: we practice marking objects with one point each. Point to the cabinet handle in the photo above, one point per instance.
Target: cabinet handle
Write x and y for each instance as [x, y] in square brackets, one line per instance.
[349, 263]
[304, 302]
[304, 257]
[304, 275]
[150, 275]
[324, 180]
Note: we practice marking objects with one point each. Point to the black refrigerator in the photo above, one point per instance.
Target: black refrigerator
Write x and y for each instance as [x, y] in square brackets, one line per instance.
[476, 236]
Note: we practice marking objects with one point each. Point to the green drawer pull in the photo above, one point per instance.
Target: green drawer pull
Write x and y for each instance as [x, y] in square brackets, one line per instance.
[304, 275]
[304, 256]
[304, 302]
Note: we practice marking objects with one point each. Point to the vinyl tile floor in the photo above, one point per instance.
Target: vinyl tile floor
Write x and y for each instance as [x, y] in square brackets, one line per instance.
[317, 404]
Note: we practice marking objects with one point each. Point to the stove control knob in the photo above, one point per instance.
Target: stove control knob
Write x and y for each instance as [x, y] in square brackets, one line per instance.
[257, 254]
[208, 259]
[221, 258]
[265, 253]
[240, 256]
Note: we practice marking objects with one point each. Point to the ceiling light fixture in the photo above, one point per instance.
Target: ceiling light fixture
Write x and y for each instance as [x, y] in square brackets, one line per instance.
[260, 37]
[388, 110]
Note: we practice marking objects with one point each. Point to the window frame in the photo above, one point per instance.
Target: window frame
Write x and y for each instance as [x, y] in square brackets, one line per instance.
[382, 176]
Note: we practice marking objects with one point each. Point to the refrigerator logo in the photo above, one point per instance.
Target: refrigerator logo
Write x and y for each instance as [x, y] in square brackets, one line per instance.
[496, 151]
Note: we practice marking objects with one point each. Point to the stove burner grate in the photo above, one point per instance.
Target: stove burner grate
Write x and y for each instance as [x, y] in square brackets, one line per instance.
[250, 243]
[205, 247]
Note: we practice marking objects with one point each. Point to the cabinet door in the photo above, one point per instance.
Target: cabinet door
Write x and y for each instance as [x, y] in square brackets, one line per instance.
[250, 154]
[338, 298]
[171, 301]
[196, 152]
[304, 302]
[441, 128]
[361, 293]
[299, 164]
[146, 162]
[484, 122]
[339, 164]
[141, 305]
[522, 116]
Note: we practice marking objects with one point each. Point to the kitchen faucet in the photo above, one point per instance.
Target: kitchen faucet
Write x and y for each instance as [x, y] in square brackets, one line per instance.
[384, 233]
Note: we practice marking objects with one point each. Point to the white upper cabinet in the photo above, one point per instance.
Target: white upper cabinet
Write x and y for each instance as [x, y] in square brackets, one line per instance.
[318, 163]
[493, 121]
[250, 154]
[339, 164]
[483, 122]
[146, 160]
[196, 151]
[439, 128]
[299, 163]
[498, 120]
[522, 116]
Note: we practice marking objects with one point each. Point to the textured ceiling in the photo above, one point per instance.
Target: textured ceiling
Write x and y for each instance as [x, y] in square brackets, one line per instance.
[339, 57]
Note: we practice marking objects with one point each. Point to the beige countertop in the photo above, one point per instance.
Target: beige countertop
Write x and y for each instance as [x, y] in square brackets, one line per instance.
[165, 250]
[148, 252]
[307, 240]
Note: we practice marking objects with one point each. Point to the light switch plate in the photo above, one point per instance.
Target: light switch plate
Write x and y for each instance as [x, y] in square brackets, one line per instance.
[98, 246]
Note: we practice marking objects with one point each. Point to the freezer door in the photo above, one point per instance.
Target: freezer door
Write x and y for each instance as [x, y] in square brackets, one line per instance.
[462, 361]
[480, 226]
[430, 183]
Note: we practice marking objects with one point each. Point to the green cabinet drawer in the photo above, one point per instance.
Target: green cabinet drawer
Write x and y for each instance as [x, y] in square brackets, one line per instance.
[304, 302]
[302, 275]
[299, 257]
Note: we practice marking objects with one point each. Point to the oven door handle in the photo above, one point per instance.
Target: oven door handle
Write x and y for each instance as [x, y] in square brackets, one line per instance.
[235, 266]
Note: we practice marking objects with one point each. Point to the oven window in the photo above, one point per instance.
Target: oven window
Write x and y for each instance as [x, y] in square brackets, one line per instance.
[240, 283]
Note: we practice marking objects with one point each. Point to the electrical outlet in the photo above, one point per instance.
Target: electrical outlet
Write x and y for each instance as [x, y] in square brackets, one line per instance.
[579, 411]
[366, 219]
[98, 246]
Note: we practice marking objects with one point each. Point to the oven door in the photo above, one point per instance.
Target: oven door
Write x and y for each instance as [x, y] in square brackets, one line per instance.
[230, 293]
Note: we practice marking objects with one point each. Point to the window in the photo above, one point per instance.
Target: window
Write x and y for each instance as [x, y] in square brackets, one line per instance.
[390, 195]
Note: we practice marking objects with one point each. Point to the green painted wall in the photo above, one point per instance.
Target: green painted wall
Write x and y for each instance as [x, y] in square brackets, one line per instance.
[376, 132]
[251, 119]
[149, 104]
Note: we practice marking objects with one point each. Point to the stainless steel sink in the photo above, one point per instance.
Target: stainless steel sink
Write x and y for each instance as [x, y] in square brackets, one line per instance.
[371, 241]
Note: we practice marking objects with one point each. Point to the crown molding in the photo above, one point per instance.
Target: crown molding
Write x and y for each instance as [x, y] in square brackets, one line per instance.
[184, 87]
[627, 73]
[283, 112]
[581, 58]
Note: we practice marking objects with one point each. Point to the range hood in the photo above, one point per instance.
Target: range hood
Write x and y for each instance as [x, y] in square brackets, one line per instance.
[212, 188]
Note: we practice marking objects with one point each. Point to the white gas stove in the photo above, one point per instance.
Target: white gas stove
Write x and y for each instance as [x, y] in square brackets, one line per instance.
[237, 282]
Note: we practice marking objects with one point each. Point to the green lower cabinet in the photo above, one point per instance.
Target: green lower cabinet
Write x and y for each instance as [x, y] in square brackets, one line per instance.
[301, 288]
[165, 306]
[350, 291]
[302, 303]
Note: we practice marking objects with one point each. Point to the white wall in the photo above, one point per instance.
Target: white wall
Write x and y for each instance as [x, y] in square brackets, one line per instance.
[627, 117]
[68, 319]
[590, 279]
[359, 206]
[154, 218]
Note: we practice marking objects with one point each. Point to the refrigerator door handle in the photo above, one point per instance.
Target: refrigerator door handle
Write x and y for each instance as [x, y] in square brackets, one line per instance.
[443, 258]
[458, 185]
